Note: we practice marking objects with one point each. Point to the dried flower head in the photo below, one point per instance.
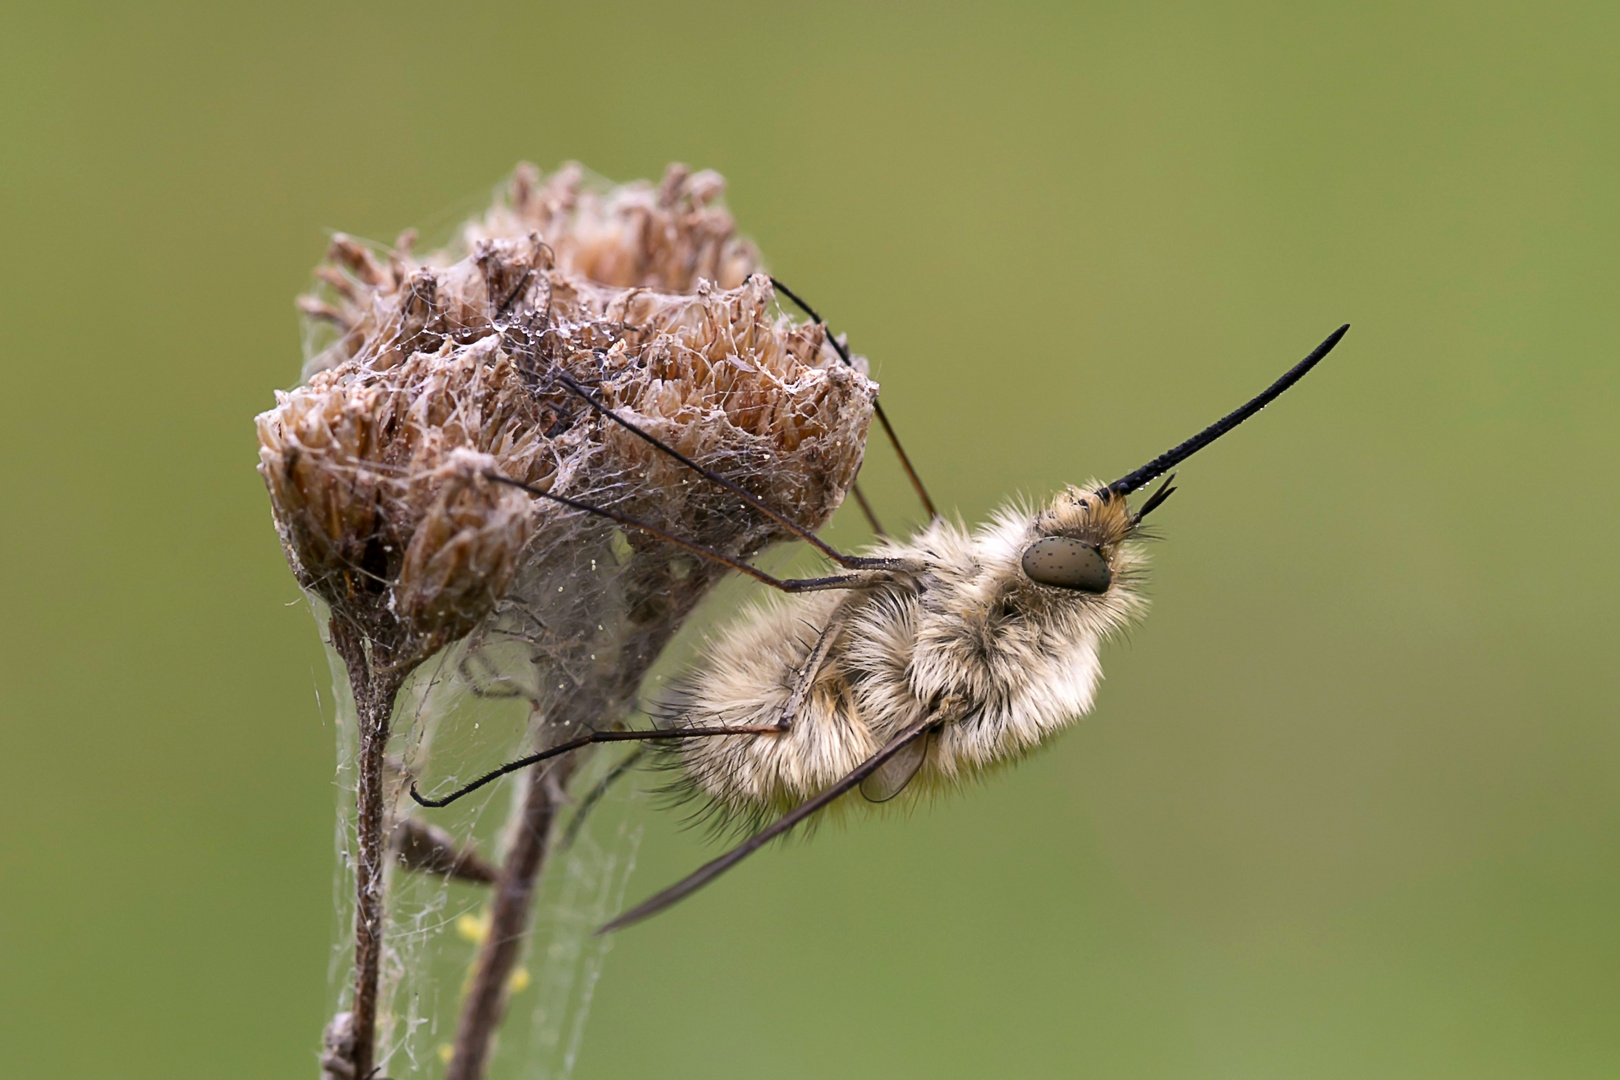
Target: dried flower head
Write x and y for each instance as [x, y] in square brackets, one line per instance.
[444, 372]
[447, 370]
[668, 237]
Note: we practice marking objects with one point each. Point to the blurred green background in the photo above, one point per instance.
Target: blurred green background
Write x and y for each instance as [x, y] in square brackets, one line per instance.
[1349, 804]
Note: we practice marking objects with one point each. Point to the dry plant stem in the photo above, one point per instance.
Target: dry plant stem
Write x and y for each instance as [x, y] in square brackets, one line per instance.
[661, 600]
[375, 684]
[378, 466]
[485, 1003]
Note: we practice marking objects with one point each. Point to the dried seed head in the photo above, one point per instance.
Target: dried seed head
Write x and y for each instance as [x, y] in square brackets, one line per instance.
[377, 483]
[444, 370]
[669, 237]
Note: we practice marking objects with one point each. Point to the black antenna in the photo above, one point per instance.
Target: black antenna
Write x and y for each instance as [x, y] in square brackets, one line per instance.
[1170, 458]
[877, 407]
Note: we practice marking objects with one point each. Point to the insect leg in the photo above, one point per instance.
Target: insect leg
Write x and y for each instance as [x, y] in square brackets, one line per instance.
[584, 741]
[806, 677]
[707, 873]
[784, 722]
[867, 512]
[858, 579]
[888, 428]
[850, 562]
[594, 796]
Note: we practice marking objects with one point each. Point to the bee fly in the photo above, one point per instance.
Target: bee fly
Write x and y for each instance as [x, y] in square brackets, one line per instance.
[919, 664]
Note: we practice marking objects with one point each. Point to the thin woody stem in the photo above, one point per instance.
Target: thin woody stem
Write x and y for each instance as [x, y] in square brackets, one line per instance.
[485, 1002]
[375, 682]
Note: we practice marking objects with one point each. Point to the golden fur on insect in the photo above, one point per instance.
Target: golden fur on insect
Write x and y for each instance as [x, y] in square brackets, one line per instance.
[1021, 658]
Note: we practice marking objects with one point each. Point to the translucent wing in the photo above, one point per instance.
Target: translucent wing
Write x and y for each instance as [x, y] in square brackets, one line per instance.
[893, 775]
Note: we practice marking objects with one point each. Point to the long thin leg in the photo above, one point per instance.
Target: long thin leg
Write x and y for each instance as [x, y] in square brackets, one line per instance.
[851, 562]
[695, 881]
[790, 712]
[812, 667]
[877, 407]
[879, 571]
[588, 740]
[594, 796]
[784, 722]
[866, 511]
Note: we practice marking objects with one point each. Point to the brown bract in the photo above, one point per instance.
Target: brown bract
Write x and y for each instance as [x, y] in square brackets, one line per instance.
[444, 371]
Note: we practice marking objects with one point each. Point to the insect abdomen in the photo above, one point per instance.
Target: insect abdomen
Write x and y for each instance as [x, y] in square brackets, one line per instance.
[747, 678]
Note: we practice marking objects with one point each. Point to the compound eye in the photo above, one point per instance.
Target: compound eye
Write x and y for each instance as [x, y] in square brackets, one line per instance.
[1066, 563]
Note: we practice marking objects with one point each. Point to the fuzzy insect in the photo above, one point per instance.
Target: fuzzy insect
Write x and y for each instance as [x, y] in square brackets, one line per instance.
[922, 663]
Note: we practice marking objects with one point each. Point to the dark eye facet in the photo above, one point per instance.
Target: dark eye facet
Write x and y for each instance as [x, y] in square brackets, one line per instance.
[1065, 563]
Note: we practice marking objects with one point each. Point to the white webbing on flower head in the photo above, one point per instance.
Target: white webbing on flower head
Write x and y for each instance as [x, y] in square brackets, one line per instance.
[438, 376]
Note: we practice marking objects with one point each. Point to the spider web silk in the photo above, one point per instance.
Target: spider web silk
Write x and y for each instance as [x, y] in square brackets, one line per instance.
[430, 937]
[532, 623]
